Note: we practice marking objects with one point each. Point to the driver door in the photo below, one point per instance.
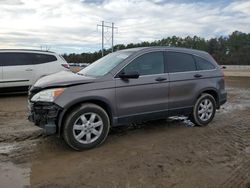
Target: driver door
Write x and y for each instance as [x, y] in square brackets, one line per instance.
[145, 97]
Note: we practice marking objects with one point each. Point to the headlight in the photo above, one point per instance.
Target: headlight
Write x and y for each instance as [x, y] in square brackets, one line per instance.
[47, 95]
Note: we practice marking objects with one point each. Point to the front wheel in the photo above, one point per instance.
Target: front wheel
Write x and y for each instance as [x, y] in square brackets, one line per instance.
[86, 127]
[204, 110]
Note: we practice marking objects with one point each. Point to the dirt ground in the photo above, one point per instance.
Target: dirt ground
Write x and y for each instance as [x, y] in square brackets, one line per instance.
[166, 153]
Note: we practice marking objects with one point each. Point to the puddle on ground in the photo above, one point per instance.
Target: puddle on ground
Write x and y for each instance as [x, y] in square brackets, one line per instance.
[12, 175]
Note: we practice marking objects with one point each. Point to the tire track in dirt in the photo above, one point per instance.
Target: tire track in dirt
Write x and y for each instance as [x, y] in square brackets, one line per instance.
[21, 135]
[240, 175]
[234, 135]
[18, 152]
[17, 114]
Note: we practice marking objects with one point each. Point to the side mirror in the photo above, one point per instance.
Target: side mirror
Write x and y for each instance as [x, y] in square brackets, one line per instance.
[127, 75]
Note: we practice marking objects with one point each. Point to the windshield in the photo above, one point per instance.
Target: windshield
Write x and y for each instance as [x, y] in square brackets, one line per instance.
[105, 64]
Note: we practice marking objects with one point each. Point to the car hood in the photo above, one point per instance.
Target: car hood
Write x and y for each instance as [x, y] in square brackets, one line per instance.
[62, 79]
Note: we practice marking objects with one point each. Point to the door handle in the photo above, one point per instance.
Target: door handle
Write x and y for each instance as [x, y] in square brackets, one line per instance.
[160, 79]
[29, 69]
[197, 75]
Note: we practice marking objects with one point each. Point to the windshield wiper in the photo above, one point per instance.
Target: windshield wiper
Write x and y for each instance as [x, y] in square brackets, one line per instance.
[80, 74]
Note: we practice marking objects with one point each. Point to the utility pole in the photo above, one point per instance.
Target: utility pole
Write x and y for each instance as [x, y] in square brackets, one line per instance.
[112, 37]
[102, 37]
[103, 26]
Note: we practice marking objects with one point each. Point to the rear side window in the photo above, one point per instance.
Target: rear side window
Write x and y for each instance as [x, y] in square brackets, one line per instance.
[180, 62]
[203, 64]
[15, 59]
[20, 58]
[147, 64]
[43, 58]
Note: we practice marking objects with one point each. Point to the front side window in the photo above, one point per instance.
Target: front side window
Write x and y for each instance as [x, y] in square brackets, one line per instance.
[15, 59]
[147, 64]
[203, 64]
[180, 62]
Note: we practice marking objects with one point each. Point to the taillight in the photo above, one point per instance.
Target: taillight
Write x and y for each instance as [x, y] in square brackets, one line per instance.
[65, 66]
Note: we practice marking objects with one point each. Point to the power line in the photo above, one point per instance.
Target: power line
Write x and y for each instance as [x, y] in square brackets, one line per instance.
[112, 27]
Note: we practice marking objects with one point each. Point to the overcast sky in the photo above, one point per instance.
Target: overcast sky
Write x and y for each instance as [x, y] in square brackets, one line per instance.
[68, 26]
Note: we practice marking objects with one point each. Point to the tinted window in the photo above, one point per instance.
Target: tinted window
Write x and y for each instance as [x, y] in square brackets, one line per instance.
[203, 64]
[13, 58]
[3, 59]
[43, 58]
[147, 64]
[20, 58]
[180, 62]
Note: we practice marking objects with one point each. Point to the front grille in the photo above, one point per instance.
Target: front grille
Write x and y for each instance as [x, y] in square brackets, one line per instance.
[43, 112]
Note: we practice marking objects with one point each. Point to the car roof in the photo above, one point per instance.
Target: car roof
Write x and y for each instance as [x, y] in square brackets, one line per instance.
[176, 49]
[134, 49]
[25, 50]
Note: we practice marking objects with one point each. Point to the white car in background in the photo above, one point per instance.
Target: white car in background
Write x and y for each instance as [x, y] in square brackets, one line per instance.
[20, 69]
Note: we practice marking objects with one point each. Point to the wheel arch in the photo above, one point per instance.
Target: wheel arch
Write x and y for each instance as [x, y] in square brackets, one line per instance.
[103, 103]
[212, 91]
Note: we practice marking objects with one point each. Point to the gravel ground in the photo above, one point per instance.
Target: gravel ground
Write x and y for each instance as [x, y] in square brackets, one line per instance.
[237, 73]
[166, 153]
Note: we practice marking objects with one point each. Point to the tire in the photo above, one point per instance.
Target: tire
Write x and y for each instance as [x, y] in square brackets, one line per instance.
[204, 110]
[86, 127]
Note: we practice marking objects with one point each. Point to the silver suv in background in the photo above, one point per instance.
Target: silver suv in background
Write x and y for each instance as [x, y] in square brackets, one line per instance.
[20, 69]
[127, 86]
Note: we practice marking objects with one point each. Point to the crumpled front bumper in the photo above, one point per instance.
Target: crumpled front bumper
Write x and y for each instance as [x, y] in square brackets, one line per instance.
[44, 115]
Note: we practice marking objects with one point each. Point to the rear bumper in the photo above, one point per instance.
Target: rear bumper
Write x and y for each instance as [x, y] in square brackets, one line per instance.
[223, 98]
[44, 115]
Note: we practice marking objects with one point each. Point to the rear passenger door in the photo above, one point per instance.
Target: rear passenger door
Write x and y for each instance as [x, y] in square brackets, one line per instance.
[17, 69]
[183, 80]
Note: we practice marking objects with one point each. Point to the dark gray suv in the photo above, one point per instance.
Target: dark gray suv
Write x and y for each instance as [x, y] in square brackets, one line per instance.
[127, 86]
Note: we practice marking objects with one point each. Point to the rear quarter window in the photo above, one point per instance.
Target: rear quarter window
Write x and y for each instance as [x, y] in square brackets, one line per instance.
[203, 64]
[43, 58]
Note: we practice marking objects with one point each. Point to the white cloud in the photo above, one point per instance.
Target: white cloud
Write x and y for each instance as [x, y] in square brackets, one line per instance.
[70, 25]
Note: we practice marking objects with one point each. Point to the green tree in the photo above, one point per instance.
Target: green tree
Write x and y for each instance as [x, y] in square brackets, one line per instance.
[233, 49]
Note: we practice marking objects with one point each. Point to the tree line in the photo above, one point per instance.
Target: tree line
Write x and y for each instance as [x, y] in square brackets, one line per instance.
[233, 49]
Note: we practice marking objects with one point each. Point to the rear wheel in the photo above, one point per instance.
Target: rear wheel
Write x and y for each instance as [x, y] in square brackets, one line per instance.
[86, 127]
[204, 110]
